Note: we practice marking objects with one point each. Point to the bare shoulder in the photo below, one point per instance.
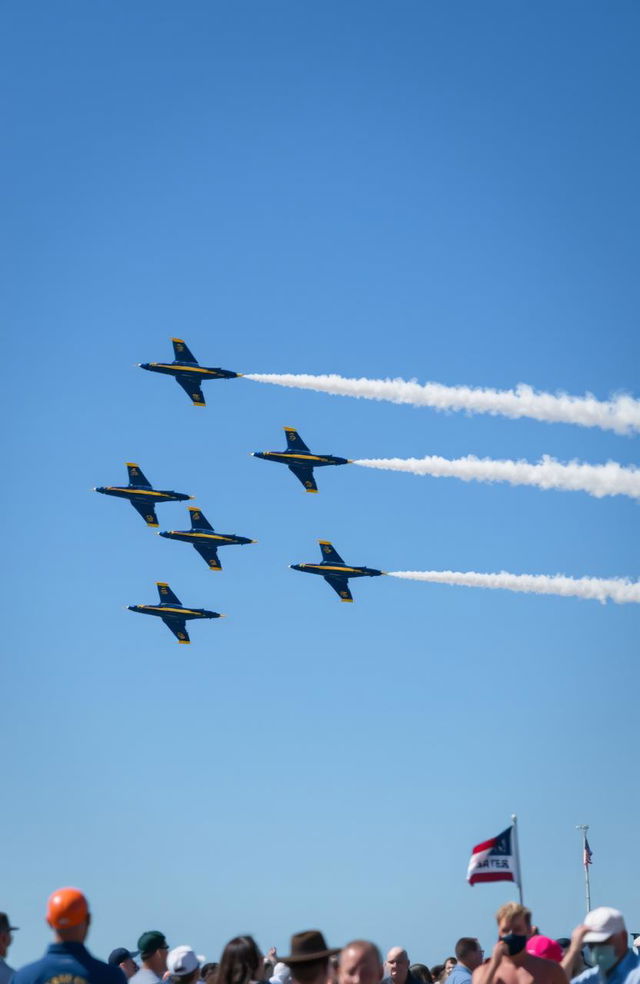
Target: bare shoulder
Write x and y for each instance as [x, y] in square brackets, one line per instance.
[480, 973]
[559, 974]
[544, 971]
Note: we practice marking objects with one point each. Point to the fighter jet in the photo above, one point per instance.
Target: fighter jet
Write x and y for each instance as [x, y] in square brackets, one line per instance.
[205, 540]
[140, 494]
[300, 460]
[187, 371]
[172, 612]
[334, 570]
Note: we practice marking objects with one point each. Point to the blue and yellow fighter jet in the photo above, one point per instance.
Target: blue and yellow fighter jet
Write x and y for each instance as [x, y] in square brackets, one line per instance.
[203, 537]
[140, 494]
[173, 613]
[300, 460]
[188, 372]
[334, 570]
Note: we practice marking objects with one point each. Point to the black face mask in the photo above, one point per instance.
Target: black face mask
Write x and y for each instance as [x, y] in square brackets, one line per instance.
[514, 942]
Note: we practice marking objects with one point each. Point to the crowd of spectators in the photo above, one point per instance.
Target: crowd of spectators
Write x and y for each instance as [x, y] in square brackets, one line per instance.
[598, 952]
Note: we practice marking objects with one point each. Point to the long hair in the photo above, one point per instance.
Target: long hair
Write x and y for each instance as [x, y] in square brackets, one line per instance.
[240, 962]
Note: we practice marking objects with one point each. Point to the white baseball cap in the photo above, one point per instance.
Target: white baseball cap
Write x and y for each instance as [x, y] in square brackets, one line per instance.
[182, 961]
[603, 922]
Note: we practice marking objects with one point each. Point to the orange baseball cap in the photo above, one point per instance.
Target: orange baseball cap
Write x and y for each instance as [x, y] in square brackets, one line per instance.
[67, 907]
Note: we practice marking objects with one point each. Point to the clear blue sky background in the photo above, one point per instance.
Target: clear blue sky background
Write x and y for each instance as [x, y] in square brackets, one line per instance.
[445, 191]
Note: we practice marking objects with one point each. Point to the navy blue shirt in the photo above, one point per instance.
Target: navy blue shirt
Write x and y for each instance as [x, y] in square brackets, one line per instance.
[68, 963]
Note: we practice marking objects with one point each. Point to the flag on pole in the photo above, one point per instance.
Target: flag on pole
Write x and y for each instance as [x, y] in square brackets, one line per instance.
[494, 860]
[587, 854]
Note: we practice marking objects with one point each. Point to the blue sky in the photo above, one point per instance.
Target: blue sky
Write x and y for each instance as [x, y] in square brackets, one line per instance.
[439, 191]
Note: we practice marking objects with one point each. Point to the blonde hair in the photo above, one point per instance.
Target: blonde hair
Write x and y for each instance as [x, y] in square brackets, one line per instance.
[511, 910]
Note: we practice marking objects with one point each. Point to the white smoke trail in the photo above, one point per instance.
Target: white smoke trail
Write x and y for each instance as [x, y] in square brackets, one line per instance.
[615, 589]
[597, 480]
[621, 414]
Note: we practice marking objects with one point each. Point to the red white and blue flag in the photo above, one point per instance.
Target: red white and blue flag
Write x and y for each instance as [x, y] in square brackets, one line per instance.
[587, 854]
[494, 860]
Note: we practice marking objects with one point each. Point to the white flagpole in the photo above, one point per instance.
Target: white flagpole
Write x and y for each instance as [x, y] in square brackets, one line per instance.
[587, 885]
[516, 851]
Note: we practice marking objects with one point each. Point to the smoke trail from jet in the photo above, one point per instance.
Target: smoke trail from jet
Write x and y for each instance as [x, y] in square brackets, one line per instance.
[620, 590]
[598, 480]
[620, 414]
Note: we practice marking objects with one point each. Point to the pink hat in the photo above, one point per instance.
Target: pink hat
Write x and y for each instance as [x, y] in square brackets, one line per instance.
[542, 946]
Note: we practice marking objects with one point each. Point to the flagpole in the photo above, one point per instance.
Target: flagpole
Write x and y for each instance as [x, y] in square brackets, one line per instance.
[516, 845]
[587, 885]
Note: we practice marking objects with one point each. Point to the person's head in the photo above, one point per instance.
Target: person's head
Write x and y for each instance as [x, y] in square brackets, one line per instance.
[153, 949]
[436, 971]
[469, 952]
[68, 915]
[421, 973]
[564, 943]
[124, 959]
[183, 965]
[208, 969]
[6, 929]
[241, 962]
[309, 960]
[360, 963]
[281, 974]
[398, 964]
[542, 946]
[513, 918]
[449, 964]
[607, 938]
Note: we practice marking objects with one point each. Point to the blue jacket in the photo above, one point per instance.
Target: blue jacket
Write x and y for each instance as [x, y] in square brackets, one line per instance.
[68, 963]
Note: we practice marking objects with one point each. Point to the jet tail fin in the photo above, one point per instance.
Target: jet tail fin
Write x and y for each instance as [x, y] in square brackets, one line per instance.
[294, 441]
[137, 476]
[329, 554]
[182, 352]
[167, 597]
[198, 520]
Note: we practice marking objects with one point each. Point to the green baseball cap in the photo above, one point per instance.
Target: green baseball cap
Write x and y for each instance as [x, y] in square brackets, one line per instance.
[151, 941]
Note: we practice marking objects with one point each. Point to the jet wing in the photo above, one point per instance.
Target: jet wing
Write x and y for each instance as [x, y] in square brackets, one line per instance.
[304, 475]
[191, 388]
[341, 586]
[209, 555]
[146, 510]
[167, 597]
[329, 553]
[137, 476]
[179, 629]
[294, 441]
[182, 352]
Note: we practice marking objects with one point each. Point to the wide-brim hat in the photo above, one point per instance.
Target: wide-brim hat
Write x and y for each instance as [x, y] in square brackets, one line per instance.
[307, 946]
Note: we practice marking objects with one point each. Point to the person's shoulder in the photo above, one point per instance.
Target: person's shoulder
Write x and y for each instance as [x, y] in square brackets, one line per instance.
[30, 971]
[110, 973]
[480, 972]
[590, 974]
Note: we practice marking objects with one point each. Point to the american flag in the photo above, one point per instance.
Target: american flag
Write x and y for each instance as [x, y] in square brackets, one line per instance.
[587, 853]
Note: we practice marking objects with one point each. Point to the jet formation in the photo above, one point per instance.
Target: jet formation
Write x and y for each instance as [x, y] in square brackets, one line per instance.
[334, 570]
[173, 613]
[142, 497]
[299, 459]
[188, 372]
[204, 539]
